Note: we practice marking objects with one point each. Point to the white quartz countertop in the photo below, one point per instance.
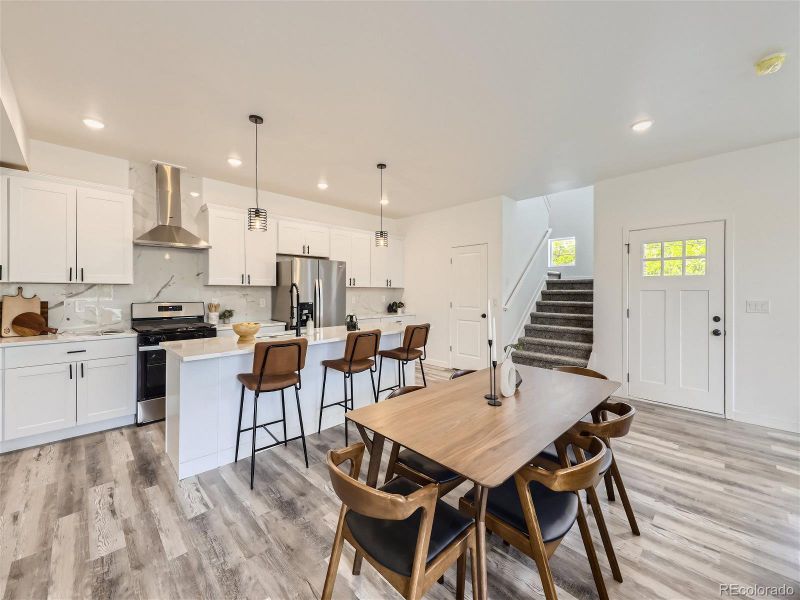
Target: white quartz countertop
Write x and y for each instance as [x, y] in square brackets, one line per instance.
[383, 315]
[218, 347]
[65, 337]
[224, 326]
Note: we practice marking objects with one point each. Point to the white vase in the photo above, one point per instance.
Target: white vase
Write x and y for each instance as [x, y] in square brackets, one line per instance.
[508, 378]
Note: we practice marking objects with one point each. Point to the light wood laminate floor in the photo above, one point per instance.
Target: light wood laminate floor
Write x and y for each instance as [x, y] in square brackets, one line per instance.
[103, 516]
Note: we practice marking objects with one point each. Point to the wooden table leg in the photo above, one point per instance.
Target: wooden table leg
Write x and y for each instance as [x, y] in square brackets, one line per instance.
[481, 494]
[375, 456]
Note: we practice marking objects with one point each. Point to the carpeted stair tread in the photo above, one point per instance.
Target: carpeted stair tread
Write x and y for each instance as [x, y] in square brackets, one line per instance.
[556, 346]
[560, 332]
[540, 359]
[570, 284]
[565, 306]
[555, 316]
[551, 342]
[580, 295]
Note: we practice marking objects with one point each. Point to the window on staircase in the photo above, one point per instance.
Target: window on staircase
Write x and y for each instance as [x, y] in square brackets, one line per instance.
[562, 252]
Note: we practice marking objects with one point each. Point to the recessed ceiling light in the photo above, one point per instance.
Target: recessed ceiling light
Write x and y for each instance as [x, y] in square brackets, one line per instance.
[93, 123]
[770, 64]
[235, 162]
[322, 185]
[194, 194]
[642, 126]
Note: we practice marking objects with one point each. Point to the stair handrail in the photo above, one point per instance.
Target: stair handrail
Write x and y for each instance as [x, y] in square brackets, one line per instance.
[527, 268]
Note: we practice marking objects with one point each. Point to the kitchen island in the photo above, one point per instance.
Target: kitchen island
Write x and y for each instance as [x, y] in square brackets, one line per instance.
[202, 406]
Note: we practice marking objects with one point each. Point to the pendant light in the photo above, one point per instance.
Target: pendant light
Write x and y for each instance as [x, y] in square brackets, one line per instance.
[381, 236]
[256, 217]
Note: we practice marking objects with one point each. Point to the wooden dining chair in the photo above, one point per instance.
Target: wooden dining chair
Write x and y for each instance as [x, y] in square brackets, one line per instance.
[609, 420]
[412, 465]
[405, 532]
[534, 510]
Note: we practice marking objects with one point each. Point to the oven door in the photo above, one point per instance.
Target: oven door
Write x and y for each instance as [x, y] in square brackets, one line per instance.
[151, 389]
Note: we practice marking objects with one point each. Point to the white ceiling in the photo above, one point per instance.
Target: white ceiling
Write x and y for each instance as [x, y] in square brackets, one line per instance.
[463, 100]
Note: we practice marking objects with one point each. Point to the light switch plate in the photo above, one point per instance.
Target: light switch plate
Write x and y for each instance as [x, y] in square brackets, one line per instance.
[757, 306]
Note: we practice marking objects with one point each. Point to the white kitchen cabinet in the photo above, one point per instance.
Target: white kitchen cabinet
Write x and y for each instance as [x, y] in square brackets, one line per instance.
[353, 247]
[39, 399]
[104, 237]
[237, 256]
[41, 243]
[105, 388]
[369, 323]
[397, 321]
[61, 232]
[387, 264]
[301, 238]
[3, 231]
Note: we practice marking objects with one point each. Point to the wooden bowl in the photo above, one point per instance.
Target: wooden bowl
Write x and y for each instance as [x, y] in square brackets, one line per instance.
[246, 331]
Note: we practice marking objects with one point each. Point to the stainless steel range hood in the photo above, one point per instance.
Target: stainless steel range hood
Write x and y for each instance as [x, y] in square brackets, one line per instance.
[169, 232]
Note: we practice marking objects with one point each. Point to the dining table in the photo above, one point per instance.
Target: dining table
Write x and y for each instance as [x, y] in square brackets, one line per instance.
[452, 423]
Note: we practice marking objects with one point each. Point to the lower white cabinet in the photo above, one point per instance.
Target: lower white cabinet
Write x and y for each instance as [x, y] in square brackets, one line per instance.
[105, 388]
[45, 389]
[39, 399]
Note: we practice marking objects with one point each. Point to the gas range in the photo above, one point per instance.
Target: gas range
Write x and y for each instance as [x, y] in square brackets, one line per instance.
[157, 322]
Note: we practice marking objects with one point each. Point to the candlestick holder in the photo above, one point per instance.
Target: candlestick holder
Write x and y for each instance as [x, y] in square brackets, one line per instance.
[492, 397]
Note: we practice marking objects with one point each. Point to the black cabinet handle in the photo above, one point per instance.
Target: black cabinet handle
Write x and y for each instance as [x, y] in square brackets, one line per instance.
[242, 277]
[81, 370]
[70, 273]
[1, 272]
[248, 279]
[70, 370]
[81, 273]
[354, 280]
[75, 351]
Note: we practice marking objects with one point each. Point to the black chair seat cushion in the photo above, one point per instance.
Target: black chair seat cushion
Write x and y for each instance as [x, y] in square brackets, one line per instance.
[550, 453]
[392, 543]
[556, 511]
[426, 466]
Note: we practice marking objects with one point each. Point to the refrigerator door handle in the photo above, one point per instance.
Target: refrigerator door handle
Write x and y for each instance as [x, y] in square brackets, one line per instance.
[321, 311]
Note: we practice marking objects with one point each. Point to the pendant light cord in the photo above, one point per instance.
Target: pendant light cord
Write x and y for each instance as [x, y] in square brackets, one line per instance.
[256, 124]
[381, 200]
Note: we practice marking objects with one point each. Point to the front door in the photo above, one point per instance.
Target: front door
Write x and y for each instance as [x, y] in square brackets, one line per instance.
[676, 324]
[468, 285]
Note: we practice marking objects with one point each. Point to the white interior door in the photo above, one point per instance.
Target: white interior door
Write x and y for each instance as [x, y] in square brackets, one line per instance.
[469, 296]
[676, 325]
[104, 237]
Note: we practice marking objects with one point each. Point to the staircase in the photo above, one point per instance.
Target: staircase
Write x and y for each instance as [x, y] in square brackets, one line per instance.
[560, 332]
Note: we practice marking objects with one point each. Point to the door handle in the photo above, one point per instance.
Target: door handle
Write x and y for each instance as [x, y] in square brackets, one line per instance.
[716, 332]
[483, 316]
[716, 319]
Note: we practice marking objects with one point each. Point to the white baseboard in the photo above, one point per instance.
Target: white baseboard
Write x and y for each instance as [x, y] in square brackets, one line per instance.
[442, 364]
[63, 434]
[766, 421]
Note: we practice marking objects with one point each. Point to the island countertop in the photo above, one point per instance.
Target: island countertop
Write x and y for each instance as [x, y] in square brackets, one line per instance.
[216, 347]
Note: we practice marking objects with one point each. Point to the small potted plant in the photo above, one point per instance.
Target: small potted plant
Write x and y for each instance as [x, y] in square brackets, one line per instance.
[226, 315]
[401, 308]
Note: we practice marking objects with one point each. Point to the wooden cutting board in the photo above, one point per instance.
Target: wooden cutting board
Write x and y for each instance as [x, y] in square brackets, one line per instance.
[14, 306]
[30, 324]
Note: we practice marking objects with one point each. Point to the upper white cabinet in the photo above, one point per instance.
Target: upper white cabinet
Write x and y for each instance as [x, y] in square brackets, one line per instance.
[3, 229]
[298, 237]
[353, 247]
[104, 237]
[388, 264]
[237, 256]
[62, 233]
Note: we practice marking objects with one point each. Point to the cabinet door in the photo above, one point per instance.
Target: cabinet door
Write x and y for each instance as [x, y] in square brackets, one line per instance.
[3, 230]
[104, 237]
[396, 263]
[340, 250]
[291, 237]
[39, 399]
[379, 262]
[318, 241]
[106, 389]
[260, 248]
[226, 257]
[41, 231]
[359, 265]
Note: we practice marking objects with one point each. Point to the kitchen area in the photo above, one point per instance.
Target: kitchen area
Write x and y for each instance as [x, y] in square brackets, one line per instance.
[121, 273]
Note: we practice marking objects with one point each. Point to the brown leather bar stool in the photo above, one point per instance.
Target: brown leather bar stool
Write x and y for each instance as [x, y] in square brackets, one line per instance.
[360, 354]
[415, 340]
[276, 367]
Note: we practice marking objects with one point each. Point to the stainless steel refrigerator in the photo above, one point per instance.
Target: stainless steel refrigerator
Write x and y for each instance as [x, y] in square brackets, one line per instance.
[321, 285]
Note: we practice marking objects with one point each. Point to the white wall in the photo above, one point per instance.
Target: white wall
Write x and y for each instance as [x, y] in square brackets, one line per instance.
[14, 136]
[756, 191]
[572, 215]
[525, 225]
[429, 238]
[63, 161]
